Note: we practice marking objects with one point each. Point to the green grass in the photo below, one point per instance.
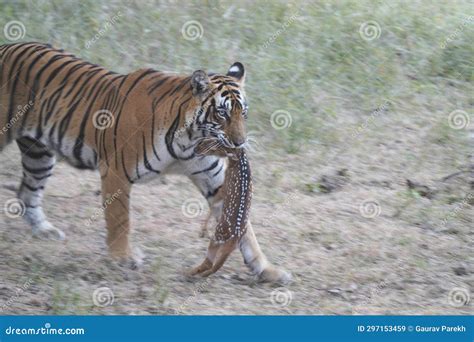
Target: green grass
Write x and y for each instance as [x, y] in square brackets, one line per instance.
[317, 67]
[160, 291]
[65, 300]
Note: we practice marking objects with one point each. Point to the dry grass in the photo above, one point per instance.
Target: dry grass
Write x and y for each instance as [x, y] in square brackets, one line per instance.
[378, 108]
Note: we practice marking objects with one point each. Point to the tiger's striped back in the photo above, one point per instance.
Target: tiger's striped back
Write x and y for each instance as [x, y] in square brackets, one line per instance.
[68, 105]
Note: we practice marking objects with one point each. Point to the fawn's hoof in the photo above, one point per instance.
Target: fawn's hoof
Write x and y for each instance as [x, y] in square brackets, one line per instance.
[198, 270]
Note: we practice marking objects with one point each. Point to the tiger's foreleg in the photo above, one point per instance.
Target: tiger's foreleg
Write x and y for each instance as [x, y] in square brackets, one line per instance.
[208, 227]
[116, 204]
[257, 261]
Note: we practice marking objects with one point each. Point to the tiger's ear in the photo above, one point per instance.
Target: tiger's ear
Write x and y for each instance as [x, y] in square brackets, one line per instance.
[237, 71]
[200, 83]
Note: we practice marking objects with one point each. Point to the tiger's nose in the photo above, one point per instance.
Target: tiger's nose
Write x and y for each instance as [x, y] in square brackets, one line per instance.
[238, 142]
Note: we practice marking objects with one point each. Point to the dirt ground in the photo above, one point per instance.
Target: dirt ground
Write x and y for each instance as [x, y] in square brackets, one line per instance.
[357, 238]
[367, 198]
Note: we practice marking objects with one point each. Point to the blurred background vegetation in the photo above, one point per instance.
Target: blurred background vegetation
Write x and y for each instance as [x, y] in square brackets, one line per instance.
[307, 58]
[370, 87]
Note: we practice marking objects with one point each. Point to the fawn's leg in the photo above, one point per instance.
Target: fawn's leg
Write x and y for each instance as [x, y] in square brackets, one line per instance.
[220, 255]
[216, 256]
[209, 180]
[206, 264]
[38, 163]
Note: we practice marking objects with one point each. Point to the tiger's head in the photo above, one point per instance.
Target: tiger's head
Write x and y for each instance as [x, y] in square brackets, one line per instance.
[221, 112]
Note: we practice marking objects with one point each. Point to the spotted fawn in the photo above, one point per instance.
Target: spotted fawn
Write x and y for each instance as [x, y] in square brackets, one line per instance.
[232, 225]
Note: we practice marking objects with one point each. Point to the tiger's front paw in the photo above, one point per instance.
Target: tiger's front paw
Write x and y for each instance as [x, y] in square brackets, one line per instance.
[271, 274]
[47, 231]
[132, 260]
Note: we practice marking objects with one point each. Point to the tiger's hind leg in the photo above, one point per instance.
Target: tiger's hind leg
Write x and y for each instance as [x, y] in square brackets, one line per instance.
[38, 163]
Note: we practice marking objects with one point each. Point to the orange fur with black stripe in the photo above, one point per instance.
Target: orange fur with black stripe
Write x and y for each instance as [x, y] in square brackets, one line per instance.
[131, 127]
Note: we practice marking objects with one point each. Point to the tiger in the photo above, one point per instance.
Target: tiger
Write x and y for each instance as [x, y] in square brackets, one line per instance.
[130, 127]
